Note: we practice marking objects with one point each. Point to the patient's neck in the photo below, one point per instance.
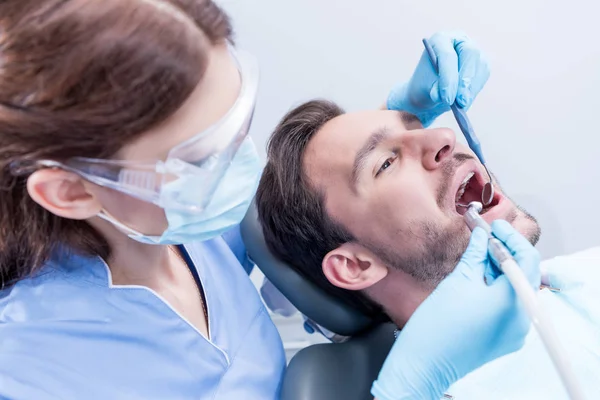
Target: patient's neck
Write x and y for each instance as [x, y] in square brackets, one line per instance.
[400, 295]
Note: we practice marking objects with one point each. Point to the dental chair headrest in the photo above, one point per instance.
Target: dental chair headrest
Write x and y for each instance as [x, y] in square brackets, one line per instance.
[322, 308]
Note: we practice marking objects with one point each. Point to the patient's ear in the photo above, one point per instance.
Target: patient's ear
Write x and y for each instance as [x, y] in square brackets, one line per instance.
[62, 193]
[353, 267]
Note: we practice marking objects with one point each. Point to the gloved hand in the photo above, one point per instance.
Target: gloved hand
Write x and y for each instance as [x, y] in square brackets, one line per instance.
[462, 325]
[463, 71]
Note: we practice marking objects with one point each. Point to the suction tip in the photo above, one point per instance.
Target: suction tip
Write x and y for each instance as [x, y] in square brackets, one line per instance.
[476, 205]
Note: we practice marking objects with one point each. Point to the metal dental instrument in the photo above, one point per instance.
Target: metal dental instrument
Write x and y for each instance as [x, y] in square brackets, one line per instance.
[467, 129]
[503, 259]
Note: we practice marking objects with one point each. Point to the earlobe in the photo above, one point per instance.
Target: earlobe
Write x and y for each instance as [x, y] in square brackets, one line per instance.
[62, 193]
[352, 267]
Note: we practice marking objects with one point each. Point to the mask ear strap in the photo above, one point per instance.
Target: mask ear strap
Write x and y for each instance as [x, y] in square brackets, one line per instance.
[108, 218]
[132, 233]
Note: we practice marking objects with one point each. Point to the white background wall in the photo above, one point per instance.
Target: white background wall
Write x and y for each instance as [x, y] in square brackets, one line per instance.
[536, 119]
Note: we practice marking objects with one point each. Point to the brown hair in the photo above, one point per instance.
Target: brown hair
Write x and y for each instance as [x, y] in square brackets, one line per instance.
[83, 78]
[296, 225]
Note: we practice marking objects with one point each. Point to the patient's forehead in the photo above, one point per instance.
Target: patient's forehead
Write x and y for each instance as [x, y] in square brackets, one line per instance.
[330, 153]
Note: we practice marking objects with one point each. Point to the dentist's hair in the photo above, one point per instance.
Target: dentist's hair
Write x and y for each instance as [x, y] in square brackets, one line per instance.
[296, 225]
[84, 78]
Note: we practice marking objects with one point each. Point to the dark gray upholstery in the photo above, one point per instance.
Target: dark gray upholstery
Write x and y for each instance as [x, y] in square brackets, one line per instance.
[338, 371]
[328, 371]
[320, 307]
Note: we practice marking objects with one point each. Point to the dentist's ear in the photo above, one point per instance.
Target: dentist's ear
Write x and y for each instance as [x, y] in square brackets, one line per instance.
[352, 267]
[62, 193]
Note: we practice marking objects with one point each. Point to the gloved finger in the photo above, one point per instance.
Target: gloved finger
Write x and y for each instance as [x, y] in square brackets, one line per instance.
[521, 249]
[518, 245]
[491, 273]
[476, 253]
[447, 60]
[481, 77]
[434, 93]
[469, 60]
[488, 276]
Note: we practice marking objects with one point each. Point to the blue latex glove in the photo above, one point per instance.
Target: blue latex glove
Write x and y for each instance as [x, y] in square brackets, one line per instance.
[463, 73]
[462, 325]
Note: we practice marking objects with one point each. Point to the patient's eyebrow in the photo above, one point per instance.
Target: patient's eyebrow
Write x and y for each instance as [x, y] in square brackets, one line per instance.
[365, 151]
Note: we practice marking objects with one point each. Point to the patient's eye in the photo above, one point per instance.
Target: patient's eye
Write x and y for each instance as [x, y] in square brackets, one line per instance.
[386, 164]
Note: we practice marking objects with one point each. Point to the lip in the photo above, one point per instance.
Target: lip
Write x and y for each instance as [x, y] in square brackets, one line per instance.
[499, 211]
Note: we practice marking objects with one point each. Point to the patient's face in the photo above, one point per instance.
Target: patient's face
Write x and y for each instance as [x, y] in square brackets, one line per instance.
[394, 186]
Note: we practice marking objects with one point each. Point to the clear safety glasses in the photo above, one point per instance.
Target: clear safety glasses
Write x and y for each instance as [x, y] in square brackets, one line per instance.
[202, 159]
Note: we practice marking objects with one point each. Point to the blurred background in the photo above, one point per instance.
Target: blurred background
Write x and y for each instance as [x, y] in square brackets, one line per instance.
[536, 118]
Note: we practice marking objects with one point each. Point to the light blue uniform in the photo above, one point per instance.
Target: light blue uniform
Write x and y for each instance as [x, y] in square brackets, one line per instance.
[68, 333]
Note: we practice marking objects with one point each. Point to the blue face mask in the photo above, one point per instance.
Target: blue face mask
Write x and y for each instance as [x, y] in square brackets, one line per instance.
[225, 210]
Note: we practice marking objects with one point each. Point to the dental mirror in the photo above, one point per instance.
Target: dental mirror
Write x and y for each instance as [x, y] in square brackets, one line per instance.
[488, 190]
[488, 194]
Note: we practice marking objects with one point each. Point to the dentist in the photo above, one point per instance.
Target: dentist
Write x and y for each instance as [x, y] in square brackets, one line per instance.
[125, 168]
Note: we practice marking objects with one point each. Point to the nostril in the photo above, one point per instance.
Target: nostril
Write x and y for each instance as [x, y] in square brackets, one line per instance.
[442, 153]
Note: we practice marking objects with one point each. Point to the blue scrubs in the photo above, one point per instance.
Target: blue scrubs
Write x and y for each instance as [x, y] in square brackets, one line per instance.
[68, 333]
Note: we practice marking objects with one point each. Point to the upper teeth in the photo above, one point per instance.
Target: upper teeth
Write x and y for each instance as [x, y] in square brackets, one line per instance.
[463, 186]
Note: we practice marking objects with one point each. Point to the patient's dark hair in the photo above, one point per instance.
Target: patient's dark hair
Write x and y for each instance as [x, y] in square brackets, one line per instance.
[296, 226]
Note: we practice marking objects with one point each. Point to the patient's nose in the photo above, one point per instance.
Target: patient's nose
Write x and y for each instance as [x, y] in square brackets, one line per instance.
[436, 145]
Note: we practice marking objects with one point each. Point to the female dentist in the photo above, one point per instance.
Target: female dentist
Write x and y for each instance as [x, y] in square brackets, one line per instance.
[125, 167]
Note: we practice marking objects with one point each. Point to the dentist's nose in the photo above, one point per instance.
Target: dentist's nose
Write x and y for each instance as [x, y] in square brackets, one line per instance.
[436, 146]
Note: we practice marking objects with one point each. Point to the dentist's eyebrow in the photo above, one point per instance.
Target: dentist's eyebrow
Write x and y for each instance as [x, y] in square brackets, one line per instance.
[365, 151]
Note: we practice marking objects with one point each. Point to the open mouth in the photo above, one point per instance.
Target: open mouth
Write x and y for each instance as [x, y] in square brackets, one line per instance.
[470, 190]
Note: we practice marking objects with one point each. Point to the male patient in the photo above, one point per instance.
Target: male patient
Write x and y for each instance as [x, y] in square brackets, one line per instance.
[366, 205]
